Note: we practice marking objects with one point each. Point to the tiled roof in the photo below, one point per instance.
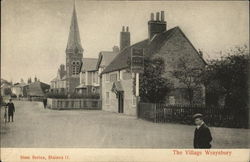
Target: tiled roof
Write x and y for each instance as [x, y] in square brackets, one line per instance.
[150, 47]
[89, 64]
[37, 88]
[105, 57]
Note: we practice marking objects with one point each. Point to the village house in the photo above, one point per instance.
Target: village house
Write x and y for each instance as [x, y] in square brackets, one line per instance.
[58, 85]
[19, 89]
[68, 78]
[37, 89]
[89, 82]
[91, 68]
[170, 44]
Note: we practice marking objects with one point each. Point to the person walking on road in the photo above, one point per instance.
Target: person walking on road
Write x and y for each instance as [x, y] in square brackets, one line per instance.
[11, 110]
[45, 102]
[202, 135]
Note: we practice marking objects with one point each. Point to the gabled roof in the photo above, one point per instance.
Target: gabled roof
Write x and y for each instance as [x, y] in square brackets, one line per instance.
[105, 57]
[121, 60]
[20, 84]
[89, 64]
[150, 48]
[37, 88]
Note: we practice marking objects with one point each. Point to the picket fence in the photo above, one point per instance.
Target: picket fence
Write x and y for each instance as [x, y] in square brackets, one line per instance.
[213, 116]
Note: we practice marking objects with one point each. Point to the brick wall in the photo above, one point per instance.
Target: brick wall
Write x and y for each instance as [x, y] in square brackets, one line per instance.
[176, 48]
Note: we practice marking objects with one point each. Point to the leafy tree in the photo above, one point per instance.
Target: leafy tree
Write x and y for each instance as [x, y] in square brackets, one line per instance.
[153, 86]
[189, 76]
[229, 75]
[29, 81]
[7, 91]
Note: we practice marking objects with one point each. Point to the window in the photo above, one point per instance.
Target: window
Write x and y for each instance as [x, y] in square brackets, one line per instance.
[126, 75]
[113, 77]
[107, 98]
[75, 67]
[133, 100]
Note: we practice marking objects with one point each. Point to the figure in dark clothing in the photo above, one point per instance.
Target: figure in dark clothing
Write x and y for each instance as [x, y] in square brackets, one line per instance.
[45, 103]
[202, 135]
[11, 110]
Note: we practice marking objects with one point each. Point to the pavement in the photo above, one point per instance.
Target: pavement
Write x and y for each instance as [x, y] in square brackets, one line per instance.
[35, 126]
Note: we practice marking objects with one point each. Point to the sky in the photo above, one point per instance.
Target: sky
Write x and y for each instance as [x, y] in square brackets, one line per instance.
[35, 32]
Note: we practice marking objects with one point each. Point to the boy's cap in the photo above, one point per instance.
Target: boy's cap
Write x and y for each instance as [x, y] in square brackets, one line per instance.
[197, 116]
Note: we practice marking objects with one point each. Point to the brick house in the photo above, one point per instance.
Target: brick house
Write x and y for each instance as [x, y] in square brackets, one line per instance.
[172, 45]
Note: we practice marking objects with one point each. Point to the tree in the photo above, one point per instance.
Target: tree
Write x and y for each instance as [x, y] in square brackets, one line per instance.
[29, 81]
[7, 91]
[230, 74]
[153, 86]
[189, 76]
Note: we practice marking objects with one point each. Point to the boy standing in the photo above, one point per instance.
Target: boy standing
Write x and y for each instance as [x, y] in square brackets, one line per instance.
[202, 135]
[11, 110]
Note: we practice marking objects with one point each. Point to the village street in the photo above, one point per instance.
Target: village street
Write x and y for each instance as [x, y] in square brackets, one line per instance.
[35, 126]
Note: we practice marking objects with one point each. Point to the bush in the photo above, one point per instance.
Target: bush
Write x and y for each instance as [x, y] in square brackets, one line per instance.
[72, 95]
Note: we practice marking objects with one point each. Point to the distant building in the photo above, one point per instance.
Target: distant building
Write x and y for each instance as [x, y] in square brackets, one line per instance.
[89, 81]
[19, 89]
[74, 54]
[91, 69]
[37, 89]
[171, 45]
[104, 59]
[58, 85]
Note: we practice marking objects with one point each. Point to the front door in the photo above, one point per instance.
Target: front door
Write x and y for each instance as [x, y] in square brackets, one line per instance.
[120, 102]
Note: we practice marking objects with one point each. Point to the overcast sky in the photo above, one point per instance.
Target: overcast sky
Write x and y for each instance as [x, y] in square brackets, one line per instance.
[35, 32]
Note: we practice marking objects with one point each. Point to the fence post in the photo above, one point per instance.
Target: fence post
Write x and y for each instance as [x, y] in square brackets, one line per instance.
[155, 115]
[138, 106]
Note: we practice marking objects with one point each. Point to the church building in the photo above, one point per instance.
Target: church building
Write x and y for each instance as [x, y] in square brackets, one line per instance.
[68, 79]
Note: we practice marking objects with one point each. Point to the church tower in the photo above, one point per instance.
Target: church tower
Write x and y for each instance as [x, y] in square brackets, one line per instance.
[74, 55]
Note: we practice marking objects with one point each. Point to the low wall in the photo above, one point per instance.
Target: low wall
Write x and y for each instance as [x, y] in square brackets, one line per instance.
[64, 104]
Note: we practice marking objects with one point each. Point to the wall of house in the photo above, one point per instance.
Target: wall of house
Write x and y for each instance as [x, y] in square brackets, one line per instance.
[111, 103]
[176, 48]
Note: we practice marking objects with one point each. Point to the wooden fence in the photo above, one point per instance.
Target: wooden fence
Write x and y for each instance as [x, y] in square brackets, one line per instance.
[64, 104]
[213, 116]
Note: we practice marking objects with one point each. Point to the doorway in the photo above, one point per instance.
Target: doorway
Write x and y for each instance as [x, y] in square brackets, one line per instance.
[120, 101]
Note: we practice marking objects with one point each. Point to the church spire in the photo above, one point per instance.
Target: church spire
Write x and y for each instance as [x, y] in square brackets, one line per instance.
[74, 41]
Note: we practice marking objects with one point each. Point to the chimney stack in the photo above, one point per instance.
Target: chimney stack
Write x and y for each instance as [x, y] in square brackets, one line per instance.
[152, 16]
[157, 16]
[124, 38]
[162, 16]
[156, 26]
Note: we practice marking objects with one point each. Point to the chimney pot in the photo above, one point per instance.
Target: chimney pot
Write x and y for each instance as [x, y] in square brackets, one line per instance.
[127, 29]
[152, 16]
[162, 16]
[123, 28]
[157, 16]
